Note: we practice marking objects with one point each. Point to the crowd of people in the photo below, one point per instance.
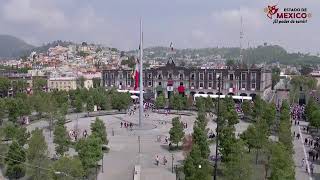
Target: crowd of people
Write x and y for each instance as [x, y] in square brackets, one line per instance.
[297, 112]
[74, 134]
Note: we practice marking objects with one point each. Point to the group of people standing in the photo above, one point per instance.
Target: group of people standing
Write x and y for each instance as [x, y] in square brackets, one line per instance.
[74, 135]
[297, 112]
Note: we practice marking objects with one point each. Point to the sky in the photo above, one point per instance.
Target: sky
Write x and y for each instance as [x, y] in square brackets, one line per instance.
[186, 23]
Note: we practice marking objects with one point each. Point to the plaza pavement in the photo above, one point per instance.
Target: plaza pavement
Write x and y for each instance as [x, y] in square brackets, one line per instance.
[118, 163]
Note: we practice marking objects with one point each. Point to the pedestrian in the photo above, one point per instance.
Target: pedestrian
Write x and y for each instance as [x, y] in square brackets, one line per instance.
[311, 168]
[165, 160]
[166, 140]
[125, 124]
[294, 134]
[121, 124]
[302, 162]
[307, 129]
[317, 156]
[157, 160]
[311, 142]
[85, 133]
[313, 157]
[305, 141]
[298, 123]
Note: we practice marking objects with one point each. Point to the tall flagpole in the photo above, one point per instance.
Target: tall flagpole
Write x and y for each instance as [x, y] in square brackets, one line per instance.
[140, 74]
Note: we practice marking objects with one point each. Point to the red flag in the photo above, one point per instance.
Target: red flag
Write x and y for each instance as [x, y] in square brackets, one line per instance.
[136, 75]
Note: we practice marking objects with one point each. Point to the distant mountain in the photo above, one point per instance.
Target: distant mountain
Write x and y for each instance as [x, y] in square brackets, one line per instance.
[256, 55]
[11, 46]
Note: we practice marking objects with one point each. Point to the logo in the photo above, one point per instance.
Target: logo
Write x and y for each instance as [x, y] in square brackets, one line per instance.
[287, 15]
[271, 10]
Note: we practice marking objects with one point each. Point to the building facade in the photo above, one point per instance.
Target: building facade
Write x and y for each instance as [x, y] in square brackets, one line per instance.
[62, 83]
[189, 81]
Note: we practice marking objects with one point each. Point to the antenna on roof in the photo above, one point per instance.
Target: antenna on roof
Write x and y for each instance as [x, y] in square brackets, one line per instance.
[241, 37]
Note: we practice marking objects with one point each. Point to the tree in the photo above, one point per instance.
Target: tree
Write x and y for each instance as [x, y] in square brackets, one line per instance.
[13, 132]
[200, 138]
[37, 154]
[98, 129]
[257, 107]
[61, 139]
[78, 104]
[306, 70]
[269, 114]
[89, 151]
[90, 104]
[4, 86]
[246, 108]
[80, 82]
[96, 82]
[238, 167]
[3, 108]
[120, 100]
[15, 158]
[38, 84]
[178, 102]
[281, 163]
[160, 101]
[315, 119]
[230, 63]
[176, 132]
[195, 167]
[67, 168]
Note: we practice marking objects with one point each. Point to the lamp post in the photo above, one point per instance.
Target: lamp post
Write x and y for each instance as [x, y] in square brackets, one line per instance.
[217, 129]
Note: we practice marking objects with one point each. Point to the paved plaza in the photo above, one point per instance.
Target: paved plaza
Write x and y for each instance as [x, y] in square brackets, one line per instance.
[119, 162]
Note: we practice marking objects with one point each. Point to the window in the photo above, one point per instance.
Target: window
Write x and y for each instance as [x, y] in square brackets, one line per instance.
[231, 77]
[159, 76]
[106, 75]
[243, 85]
[128, 75]
[120, 83]
[192, 76]
[149, 75]
[51, 83]
[201, 84]
[170, 76]
[149, 83]
[201, 76]
[112, 76]
[192, 84]
[243, 76]
[253, 86]
[129, 83]
[209, 85]
[210, 76]
[253, 76]
[120, 75]
[159, 83]
[181, 76]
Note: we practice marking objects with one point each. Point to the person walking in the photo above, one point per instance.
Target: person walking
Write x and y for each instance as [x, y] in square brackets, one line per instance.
[121, 124]
[157, 160]
[303, 162]
[165, 160]
[311, 168]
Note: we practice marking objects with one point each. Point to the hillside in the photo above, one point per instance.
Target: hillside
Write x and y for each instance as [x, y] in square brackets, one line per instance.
[260, 54]
[11, 46]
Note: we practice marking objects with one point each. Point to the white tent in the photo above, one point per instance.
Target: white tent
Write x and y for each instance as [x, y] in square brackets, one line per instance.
[222, 96]
[134, 97]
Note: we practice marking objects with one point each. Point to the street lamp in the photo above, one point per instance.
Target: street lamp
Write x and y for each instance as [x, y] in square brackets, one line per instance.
[217, 129]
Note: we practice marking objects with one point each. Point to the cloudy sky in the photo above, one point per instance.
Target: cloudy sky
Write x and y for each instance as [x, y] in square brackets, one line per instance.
[187, 23]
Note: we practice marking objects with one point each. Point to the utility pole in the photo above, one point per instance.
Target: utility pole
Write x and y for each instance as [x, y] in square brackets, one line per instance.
[217, 137]
[140, 77]
[172, 158]
[139, 141]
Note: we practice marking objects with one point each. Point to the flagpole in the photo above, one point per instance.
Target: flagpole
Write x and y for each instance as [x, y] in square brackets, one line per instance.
[140, 74]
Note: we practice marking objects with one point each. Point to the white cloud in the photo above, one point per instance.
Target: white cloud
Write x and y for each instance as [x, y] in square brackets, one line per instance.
[41, 13]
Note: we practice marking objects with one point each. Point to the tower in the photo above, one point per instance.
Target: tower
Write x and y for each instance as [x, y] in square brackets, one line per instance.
[241, 37]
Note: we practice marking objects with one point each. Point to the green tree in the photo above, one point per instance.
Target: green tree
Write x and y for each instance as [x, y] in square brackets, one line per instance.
[89, 151]
[269, 114]
[246, 108]
[281, 163]
[80, 82]
[4, 86]
[315, 119]
[98, 129]
[200, 138]
[78, 104]
[13, 132]
[37, 154]
[3, 108]
[90, 104]
[239, 166]
[160, 101]
[38, 84]
[195, 167]
[178, 102]
[15, 158]
[61, 139]
[176, 132]
[120, 100]
[96, 82]
[67, 168]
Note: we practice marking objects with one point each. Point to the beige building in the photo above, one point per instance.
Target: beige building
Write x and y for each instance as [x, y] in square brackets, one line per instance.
[62, 83]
